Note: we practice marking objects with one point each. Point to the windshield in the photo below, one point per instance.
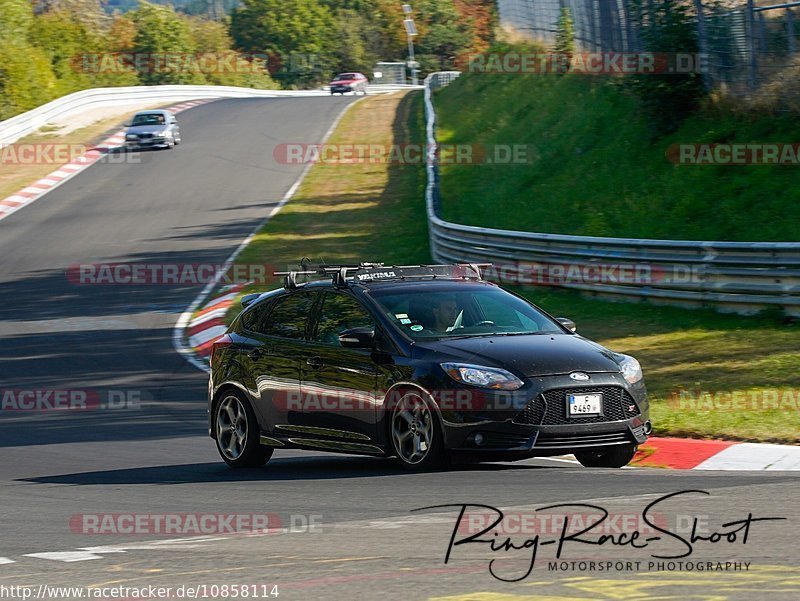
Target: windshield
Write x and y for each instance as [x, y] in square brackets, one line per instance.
[148, 119]
[343, 76]
[459, 311]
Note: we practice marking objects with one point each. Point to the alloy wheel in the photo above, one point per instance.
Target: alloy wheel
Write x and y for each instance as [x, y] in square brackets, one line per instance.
[232, 427]
[412, 429]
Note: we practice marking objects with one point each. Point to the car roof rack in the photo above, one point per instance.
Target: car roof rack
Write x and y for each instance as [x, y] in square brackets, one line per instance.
[365, 273]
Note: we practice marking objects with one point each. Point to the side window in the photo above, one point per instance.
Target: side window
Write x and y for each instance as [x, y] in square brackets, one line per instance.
[340, 312]
[288, 318]
[255, 318]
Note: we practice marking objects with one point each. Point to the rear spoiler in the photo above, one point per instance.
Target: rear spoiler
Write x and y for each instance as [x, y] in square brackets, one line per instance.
[248, 299]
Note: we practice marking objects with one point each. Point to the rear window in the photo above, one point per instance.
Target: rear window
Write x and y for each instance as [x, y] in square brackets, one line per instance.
[256, 318]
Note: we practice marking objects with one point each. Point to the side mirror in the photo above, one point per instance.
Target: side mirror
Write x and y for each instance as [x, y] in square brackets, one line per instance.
[357, 338]
[567, 323]
[173, 120]
[127, 124]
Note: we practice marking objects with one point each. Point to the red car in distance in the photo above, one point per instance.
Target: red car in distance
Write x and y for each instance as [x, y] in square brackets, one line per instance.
[349, 82]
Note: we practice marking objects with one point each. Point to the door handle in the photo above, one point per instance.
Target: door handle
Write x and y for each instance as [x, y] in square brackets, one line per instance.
[314, 362]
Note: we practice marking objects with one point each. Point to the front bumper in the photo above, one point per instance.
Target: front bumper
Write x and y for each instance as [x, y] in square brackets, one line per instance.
[139, 143]
[534, 420]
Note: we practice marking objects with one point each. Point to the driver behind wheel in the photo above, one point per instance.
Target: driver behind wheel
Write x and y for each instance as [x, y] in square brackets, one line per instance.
[445, 312]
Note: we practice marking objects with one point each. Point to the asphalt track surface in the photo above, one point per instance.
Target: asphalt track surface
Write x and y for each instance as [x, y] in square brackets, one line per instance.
[194, 205]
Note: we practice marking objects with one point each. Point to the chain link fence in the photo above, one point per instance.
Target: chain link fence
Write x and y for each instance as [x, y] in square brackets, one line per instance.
[749, 45]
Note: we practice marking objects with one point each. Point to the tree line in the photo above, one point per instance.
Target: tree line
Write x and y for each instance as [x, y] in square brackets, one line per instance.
[49, 48]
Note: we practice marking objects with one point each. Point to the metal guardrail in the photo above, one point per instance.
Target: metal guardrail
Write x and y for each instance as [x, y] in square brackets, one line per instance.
[21, 125]
[742, 277]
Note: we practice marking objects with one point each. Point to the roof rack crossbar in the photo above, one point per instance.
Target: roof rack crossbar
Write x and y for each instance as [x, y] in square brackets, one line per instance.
[341, 273]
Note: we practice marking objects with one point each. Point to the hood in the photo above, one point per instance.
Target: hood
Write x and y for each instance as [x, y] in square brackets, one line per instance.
[528, 355]
[147, 129]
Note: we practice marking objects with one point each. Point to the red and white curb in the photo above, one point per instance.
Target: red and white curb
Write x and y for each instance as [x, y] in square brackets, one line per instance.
[208, 324]
[693, 454]
[31, 193]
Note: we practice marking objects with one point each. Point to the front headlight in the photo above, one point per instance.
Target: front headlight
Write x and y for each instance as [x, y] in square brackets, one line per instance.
[130, 136]
[630, 368]
[485, 377]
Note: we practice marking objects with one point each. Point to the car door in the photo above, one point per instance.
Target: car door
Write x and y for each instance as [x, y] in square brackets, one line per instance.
[339, 384]
[275, 347]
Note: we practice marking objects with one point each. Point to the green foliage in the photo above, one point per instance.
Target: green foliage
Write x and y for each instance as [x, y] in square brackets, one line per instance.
[26, 79]
[443, 34]
[208, 36]
[668, 27]
[565, 34]
[593, 168]
[16, 17]
[299, 33]
[160, 31]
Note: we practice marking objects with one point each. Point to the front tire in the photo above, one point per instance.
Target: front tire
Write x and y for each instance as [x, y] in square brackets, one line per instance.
[415, 434]
[237, 433]
[614, 457]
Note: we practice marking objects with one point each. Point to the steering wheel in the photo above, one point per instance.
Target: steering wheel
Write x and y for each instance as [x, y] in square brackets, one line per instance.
[485, 322]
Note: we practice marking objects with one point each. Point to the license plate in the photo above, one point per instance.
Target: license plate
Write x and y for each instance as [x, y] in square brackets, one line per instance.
[585, 404]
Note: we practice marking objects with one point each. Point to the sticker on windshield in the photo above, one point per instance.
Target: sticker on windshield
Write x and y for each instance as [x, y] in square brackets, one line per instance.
[405, 320]
[416, 328]
[401, 315]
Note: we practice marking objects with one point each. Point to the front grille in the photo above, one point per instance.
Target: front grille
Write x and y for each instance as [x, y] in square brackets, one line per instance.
[581, 440]
[145, 136]
[550, 407]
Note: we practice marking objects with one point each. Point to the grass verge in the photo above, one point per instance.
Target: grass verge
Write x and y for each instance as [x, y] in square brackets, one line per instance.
[354, 212]
[594, 168]
[351, 212]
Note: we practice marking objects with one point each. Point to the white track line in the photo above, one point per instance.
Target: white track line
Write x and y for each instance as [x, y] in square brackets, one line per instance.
[66, 556]
[177, 332]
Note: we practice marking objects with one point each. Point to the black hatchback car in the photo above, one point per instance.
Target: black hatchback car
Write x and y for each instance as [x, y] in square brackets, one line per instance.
[423, 363]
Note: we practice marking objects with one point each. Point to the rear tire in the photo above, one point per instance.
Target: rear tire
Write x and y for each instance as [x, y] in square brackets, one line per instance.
[237, 433]
[614, 457]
